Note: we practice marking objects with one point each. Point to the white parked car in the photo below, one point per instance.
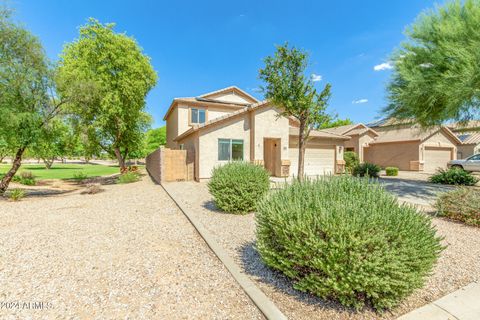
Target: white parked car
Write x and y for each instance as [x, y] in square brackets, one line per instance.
[472, 163]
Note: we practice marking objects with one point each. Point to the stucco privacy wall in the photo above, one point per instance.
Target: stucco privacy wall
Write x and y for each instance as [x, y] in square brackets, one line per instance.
[235, 128]
[154, 165]
[393, 154]
[269, 124]
[190, 144]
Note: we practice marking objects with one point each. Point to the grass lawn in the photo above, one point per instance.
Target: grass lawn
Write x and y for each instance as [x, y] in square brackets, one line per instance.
[64, 171]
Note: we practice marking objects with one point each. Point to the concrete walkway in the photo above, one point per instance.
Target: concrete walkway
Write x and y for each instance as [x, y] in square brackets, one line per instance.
[463, 304]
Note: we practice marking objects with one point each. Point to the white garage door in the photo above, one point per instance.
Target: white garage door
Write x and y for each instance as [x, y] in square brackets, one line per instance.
[319, 160]
[436, 158]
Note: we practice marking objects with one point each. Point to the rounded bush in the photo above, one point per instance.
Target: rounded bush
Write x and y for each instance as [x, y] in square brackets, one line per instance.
[366, 169]
[238, 186]
[391, 171]
[346, 239]
[455, 176]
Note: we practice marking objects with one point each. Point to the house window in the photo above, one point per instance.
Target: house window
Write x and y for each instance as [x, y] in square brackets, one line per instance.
[197, 116]
[230, 149]
[181, 146]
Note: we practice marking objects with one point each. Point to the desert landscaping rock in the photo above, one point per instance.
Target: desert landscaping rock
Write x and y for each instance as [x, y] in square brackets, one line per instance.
[458, 265]
[125, 253]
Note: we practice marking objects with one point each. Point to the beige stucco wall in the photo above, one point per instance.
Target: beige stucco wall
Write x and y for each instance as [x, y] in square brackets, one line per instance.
[236, 128]
[396, 154]
[230, 97]
[215, 112]
[190, 143]
[468, 150]
[172, 129]
[267, 124]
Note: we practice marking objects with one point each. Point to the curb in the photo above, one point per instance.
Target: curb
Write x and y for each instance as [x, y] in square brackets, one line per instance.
[261, 301]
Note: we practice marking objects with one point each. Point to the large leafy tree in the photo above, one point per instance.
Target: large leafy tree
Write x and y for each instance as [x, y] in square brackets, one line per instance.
[437, 71]
[27, 102]
[107, 78]
[335, 123]
[54, 142]
[154, 138]
[288, 87]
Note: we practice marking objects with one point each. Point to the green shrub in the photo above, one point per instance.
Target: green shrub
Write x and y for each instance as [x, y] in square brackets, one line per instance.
[455, 176]
[79, 175]
[461, 204]
[346, 239]
[238, 186]
[128, 177]
[351, 160]
[26, 178]
[16, 194]
[391, 171]
[366, 169]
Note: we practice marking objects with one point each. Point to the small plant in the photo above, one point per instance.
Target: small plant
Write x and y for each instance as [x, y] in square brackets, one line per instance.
[238, 186]
[128, 177]
[454, 176]
[16, 194]
[347, 239]
[461, 204]
[366, 169]
[92, 188]
[351, 160]
[26, 178]
[79, 175]
[129, 169]
[391, 171]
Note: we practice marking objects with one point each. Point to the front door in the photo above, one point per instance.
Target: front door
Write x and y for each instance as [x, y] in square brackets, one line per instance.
[271, 155]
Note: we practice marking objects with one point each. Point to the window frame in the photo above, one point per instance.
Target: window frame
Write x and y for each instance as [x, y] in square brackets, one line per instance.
[230, 149]
[198, 111]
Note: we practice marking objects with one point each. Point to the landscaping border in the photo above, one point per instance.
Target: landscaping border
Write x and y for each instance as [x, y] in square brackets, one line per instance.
[263, 303]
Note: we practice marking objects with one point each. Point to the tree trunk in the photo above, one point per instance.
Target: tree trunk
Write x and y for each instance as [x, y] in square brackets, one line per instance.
[301, 150]
[48, 163]
[121, 159]
[17, 162]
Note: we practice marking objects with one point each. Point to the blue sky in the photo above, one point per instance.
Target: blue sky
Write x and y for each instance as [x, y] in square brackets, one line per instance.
[202, 46]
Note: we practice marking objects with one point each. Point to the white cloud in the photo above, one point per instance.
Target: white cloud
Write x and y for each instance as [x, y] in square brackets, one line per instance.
[359, 101]
[316, 77]
[383, 66]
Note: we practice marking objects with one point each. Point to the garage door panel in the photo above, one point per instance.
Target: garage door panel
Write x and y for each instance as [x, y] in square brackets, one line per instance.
[319, 160]
[436, 158]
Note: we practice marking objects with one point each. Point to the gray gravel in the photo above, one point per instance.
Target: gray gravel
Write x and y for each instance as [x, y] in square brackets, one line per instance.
[124, 253]
[458, 265]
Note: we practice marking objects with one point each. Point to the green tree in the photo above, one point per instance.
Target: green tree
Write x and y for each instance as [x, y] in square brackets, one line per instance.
[335, 123]
[154, 138]
[52, 143]
[289, 88]
[107, 78]
[437, 69]
[26, 106]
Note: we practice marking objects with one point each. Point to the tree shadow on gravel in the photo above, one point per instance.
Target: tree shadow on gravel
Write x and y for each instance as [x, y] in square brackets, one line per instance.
[253, 265]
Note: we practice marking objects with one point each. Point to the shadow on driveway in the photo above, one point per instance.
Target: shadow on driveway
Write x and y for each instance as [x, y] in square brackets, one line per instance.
[414, 191]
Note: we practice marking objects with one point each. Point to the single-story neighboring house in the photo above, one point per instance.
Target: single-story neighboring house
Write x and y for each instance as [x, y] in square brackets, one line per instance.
[229, 124]
[401, 145]
[469, 134]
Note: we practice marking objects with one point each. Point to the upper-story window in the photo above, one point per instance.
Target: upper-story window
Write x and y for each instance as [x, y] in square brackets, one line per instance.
[197, 116]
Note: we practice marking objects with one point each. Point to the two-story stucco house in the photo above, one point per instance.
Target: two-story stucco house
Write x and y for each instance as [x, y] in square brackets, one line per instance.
[229, 124]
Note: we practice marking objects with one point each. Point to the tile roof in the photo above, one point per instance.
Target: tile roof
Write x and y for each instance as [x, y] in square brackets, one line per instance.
[472, 138]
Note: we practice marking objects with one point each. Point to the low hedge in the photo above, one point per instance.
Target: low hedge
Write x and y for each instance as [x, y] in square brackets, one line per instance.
[454, 176]
[391, 171]
[461, 204]
[238, 186]
[347, 239]
[366, 169]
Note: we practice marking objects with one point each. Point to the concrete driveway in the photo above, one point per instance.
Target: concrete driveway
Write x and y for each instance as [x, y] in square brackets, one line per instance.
[414, 191]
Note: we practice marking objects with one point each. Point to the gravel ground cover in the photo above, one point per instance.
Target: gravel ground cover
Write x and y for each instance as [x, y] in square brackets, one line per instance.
[458, 265]
[125, 253]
